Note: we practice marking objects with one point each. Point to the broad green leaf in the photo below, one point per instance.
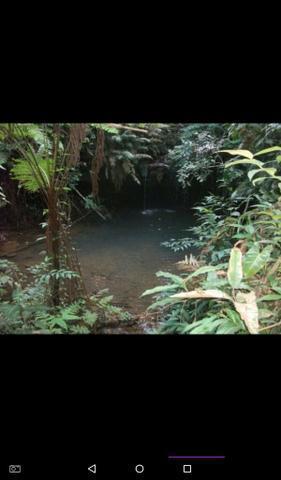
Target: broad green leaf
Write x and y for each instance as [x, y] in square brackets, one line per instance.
[270, 171]
[205, 269]
[246, 306]
[178, 280]
[252, 173]
[192, 327]
[203, 294]
[268, 150]
[162, 303]
[244, 161]
[233, 316]
[260, 179]
[275, 288]
[242, 153]
[271, 297]
[214, 281]
[235, 272]
[206, 325]
[159, 289]
[250, 257]
[255, 260]
[229, 329]
[278, 158]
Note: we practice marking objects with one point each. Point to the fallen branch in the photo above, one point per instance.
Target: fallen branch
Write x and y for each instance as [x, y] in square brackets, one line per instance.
[124, 127]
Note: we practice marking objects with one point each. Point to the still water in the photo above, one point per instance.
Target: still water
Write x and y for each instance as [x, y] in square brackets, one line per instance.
[124, 253]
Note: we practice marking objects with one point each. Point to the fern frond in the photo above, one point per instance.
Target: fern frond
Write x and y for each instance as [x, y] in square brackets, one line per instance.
[31, 176]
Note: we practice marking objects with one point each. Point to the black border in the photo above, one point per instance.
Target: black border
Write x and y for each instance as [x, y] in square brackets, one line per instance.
[141, 392]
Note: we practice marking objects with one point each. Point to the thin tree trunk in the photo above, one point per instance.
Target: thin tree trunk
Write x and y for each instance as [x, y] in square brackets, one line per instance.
[53, 244]
[97, 162]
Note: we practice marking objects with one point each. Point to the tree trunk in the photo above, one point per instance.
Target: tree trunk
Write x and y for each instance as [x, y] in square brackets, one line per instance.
[53, 243]
[97, 162]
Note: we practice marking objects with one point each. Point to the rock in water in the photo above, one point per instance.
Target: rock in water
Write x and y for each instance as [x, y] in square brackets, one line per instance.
[149, 212]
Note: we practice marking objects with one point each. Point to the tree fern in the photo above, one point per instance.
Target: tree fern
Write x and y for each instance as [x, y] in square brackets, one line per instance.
[27, 173]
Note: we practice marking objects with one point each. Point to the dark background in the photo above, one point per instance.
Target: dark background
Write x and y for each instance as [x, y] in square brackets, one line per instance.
[69, 402]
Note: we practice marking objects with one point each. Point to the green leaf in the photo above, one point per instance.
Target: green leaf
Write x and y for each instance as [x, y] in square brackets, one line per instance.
[33, 175]
[205, 269]
[276, 289]
[105, 127]
[242, 153]
[271, 297]
[268, 150]
[252, 173]
[90, 317]
[235, 272]
[260, 179]
[244, 161]
[206, 325]
[233, 316]
[58, 322]
[270, 171]
[254, 260]
[162, 303]
[178, 280]
[3, 157]
[161, 288]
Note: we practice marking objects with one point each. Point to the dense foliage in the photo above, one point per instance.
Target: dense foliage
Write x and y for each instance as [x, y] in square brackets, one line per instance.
[230, 279]
[237, 287]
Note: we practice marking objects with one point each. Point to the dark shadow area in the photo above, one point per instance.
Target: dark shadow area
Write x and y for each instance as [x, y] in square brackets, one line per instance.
[153, 192]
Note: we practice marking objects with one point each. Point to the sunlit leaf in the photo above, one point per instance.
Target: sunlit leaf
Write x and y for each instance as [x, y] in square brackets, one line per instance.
[252, 173]
[159, 289]
[270, 171]
[268, 150]
[33, 175]
[255, 260]
[242, 153]
[235, 272]
[205, 269]
[260, 179]
[175, 278]
[244, 161]
[161, 303]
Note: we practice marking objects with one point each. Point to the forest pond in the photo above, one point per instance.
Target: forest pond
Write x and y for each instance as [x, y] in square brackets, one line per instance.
[123, 253]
